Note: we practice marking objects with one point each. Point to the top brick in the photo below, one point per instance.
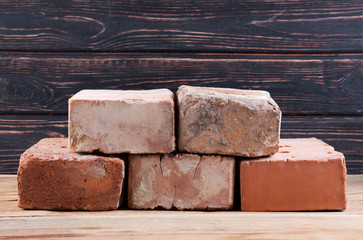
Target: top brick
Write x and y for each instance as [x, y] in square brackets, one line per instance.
[228, 121]
[122, 121]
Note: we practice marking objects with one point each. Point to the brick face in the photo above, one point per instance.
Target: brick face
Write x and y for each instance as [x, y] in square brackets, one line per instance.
[52, 177]
[227, 121]
[305, 175]
[181, 181]
[117, 121]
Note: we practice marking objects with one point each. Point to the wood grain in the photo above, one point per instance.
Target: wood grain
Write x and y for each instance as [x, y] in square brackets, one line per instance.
[19, 132]
[207, 25]
[135, 224]
[34, 83]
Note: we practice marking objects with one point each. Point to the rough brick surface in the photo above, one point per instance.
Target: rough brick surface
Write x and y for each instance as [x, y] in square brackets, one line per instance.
[182, 181]
[305, 175]
[227, 121]
[51, 177]
[117, 121]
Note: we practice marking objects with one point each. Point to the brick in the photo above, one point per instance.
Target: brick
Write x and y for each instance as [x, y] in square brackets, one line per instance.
[117, 121]
[181, 181]
[52, 177]
[227, 121]
[305, 175]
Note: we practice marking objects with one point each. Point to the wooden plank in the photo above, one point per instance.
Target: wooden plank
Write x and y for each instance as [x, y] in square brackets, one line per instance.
[135, 224]
[207, 25]
[19, 132]
[300, 84]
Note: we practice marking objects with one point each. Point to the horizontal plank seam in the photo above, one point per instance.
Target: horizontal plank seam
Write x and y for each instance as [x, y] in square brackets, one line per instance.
[182, 51]
[176, 55]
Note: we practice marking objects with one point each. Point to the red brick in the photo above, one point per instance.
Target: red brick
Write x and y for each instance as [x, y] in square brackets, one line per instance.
[52, 177]
[227, 121]
[122, 121]
[305, 175]
[181, 181]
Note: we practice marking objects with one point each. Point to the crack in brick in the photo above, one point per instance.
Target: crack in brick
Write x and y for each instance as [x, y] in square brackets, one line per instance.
[272, 105]
[192, 104]
[161, 169]
[196, 168]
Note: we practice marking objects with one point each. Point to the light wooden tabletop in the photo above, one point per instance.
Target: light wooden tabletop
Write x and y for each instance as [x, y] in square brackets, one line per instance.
[132, 224]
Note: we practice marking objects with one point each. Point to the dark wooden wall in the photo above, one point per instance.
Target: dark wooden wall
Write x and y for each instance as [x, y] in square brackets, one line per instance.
[307, 54]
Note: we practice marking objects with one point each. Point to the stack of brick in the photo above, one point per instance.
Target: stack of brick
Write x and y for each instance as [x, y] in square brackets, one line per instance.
[217, 130]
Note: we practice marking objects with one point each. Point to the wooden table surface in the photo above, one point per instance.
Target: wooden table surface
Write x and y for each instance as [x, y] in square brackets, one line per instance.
[132, 224]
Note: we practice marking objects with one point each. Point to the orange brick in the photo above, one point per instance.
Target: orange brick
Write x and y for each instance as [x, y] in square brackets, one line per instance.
[305, 175]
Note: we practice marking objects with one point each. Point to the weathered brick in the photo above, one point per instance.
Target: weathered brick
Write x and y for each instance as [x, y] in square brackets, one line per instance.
[117, 121]
[52, 177]
[305, 175]
[181, 181]
[227, 121]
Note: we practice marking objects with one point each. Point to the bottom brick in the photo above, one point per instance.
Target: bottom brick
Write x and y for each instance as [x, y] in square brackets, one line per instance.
[52, 177]
[181, 181]
[305, 175]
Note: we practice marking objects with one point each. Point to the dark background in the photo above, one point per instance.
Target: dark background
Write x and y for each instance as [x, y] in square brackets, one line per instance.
[307, 54]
